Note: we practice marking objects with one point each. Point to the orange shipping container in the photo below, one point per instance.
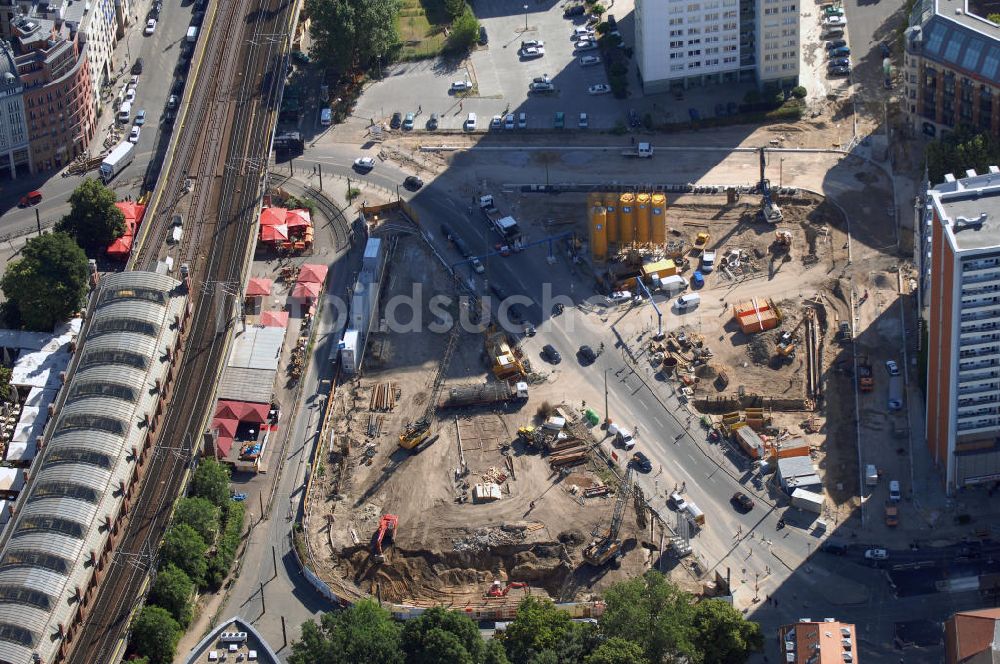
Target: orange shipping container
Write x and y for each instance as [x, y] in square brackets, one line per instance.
[752, 323]
[742, 308]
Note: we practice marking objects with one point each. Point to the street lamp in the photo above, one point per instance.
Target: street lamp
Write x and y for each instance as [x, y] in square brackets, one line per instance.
[781, 168]
[526, 18]
[607, 415]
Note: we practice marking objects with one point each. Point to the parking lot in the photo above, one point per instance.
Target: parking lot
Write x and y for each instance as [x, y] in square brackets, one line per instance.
[501, 76]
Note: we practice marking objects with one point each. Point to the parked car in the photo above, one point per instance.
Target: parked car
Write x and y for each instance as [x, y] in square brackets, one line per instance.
[446, 232]
[130, 95]
[412, 182]
[551, 354]
[742, 501]
[619, 297]
[484, 38]
[892, 367]
[496, 122]
[172, 101]
[133, 136]
[461, 86]
[31, 198]
[560, 120]
[599, 89]
[876, 554]
[633, 118]
[838, 21]
[642, 462]
[522, 120]
[470, 122]
[839, 62]
[586, 45]
[532, 52]
[140, 117]
[396, 120]
[432, 122]
[589, 60]
[584, 121]
[408, 122]
[574, 10]
[839, 52]
[587, 355]
[150, 27]
[836, 43]
[579, 33]
[364, 164]
[839, 71]
[137, 66]
[625, 439]
[537, 86]
[833, 548]
[508, 122]
[532, 43]
[894, 493]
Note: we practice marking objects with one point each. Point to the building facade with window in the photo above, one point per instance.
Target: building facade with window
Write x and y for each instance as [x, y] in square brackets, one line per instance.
[15, 152]
[962, 269]
[685, 43]
[52, 64]
[951, 68]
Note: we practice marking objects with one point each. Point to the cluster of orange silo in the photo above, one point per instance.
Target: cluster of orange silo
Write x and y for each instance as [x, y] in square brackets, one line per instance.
[625, 219]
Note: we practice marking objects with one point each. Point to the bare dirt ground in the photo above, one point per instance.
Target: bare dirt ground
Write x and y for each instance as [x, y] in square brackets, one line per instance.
[448, 549]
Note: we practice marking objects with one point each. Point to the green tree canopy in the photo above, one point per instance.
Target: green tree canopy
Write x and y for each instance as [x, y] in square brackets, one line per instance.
[363, 634]
[959, 151]
[200, 514]
[464, 32]
[211, 481]
[539, 627]
[350, 34]
[93, 220]
[493, 653]
[155, 635]
[722, 634]
[185, 548]
[653, 613]
[48, 284]
[439, 636]
[173, 590]
[616, 650]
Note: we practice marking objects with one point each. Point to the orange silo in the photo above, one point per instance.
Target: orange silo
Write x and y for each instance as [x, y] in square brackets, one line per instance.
[658, 219]
[598, 233]
[626, 218]
[642, 218]
[611, 205]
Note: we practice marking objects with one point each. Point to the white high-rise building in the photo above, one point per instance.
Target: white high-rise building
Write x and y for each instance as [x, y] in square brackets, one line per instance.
[685, 43]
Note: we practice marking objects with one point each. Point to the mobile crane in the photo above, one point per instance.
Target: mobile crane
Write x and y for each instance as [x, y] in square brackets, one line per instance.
[608, 548]
[769, 210]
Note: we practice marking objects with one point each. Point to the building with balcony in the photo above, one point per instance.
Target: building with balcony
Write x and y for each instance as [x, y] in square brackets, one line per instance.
[680, 44]
[951, 68]
[962, 272]
[52, 64]
[825, 641]
[15, 153]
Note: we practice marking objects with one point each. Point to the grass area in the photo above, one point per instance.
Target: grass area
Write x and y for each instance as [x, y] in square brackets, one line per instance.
[421, 27]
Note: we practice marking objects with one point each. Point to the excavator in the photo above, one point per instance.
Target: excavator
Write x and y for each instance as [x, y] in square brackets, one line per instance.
[608, 548]
[769, 210]
[498, 589]
[386, 533]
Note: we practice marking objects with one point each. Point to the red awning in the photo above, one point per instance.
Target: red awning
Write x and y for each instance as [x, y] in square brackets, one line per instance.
[132, 211]
[274, 233]
[306, 290]
[312, 273]
[224, 444]
[255, 412]
[229, 410]
[227, 427]
[240, 411]
[273, 216]
[297, 218]
[258, 287]
[120, 248]
[274, 319]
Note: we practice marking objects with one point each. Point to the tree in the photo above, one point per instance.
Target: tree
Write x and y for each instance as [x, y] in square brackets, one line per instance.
[799, 92]
[960, 151]
[994, 17]
[464, 32]
[200, 514]
[48, 284]
[172, 591]
[185, 548]
[155, 635]
[93, 219]
[616, 650]
[493, 653]
[439, 636]
[350, 34]
[455, 7]
[211, 481]
[653, 613]
[363, 634]
[538, 627]
[723, 635]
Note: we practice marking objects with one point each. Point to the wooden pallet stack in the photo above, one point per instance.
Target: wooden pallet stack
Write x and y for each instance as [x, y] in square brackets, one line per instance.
[567, 452]
[383, 397]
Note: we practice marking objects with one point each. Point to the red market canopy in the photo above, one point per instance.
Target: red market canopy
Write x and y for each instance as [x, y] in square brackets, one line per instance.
[226, 427]
[133, 211]
[121, 247]
[312, 273]
[277, 216]
[296, 218]
[274, 233]
[258, 287]
[274, 319]
[306, 290]
[242, 411]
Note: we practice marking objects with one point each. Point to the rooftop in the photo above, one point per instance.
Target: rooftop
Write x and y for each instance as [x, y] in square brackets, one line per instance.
[231, 639]
[819, 642]
[969, 209]
[969, 633]
[948, 32]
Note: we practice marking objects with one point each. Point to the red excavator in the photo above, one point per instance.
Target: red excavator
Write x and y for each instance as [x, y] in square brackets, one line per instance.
[386, 532]
[498, 589]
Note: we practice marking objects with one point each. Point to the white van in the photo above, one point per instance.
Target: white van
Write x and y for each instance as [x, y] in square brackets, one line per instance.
[192, 33]
[325, 117]
[894, 494]
[689, 301]
[675, 283]
[871, 475]
[125, 112]
[470, 122]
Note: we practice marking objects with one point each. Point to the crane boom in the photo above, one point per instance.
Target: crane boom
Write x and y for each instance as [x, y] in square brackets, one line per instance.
[602, 550]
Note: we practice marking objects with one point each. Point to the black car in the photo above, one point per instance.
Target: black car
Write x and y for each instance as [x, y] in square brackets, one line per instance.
[587, 354]
[642, 462]
[633, 118]
[137, 67]
[612, 22]
[445, 232]
[413, 183]
[484, 38]
[839, 62]
[462, 247]
[834, 548]
[574, 10]
[551, 354]
[432, 123]
[742, 501]
[397, 120]
[839, 71]
[830, 45]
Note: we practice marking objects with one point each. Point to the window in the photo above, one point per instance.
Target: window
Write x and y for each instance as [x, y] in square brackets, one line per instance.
[712, 17]
[52, 524]
[695, 52]
[694, 31]
[77, 455]
[693, 42]
[92, 422]
[676, 33]
[26, 596]
[676, 67]
[123, 357]
[64, 490]
[768, 11]
[729, 60]
[693, 65]
[17, 634]
[676, 44]
[677, 21]
[693, 8]
[677, 56]
[123, 325]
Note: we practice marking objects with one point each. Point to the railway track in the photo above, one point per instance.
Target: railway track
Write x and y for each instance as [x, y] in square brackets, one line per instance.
[222, 149]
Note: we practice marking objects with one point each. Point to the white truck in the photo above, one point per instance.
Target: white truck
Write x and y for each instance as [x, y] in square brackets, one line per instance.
[503, 225]
[640, 151]
[117, 159]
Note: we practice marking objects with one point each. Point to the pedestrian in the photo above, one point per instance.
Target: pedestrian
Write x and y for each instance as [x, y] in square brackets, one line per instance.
[460, 104]
[420, 109]
[632, 138]
[775, 602]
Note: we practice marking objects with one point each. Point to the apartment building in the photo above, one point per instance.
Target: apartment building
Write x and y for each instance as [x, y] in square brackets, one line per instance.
[684, 43]
[15, 151]
[52, 64]
[951, 68]
[826, 641]
[961, 270]
[972, 637]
